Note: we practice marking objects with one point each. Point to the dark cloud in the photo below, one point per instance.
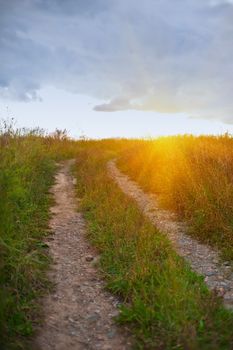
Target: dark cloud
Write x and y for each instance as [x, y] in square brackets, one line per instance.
[167, 56]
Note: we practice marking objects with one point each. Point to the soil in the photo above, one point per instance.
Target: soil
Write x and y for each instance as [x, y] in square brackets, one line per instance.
[79, 312]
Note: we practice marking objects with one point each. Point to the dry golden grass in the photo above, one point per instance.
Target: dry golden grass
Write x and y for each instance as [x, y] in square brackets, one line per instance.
[192, 176]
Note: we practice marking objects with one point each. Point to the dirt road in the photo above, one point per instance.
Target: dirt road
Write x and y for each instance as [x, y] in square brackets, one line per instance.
[79, 312]
[202, 258]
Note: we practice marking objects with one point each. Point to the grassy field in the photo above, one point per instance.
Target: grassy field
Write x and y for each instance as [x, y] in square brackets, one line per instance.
[27, 165]
[166, 305]
[192, 176]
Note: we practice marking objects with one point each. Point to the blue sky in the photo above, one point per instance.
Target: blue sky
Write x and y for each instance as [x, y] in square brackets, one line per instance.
[118, 67]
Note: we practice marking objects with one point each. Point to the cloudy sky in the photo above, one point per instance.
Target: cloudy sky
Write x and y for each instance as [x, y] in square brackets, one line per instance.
[118, 67]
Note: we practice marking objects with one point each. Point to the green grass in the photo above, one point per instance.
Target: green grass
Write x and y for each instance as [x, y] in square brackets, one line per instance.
[26, 173]
[166, 305]
[27, 168]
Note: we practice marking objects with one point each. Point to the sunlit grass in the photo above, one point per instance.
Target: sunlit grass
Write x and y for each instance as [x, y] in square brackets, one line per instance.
[193, 176]
[166, 305]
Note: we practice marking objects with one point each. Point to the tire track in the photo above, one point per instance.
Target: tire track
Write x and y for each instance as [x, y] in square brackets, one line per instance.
[203, 259]
[79, 312]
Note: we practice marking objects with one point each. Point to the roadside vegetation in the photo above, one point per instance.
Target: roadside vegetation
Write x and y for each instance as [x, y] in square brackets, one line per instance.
[166, 305]
[26, 173]
[192, 176]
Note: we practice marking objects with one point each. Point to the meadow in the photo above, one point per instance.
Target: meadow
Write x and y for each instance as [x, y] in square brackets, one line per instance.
[164, 303]
[193, 177]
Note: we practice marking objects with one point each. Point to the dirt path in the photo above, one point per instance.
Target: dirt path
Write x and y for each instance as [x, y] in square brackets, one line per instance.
[79, 312]
[203, 259]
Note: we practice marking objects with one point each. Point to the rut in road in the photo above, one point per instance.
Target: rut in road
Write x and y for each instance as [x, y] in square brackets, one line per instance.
[79, 312]
[202, 258]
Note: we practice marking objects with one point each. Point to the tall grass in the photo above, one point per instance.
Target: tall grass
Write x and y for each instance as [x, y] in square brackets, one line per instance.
[168, 305]
[193, 176]
[165, 303]
[26, 173]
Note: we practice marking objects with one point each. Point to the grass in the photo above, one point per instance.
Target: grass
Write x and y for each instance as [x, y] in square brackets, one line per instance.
[26, 173]
[166, 305]
[192, 176]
